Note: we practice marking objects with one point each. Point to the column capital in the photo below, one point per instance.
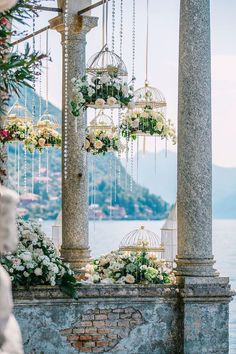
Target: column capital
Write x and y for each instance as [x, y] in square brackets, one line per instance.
[77, 24]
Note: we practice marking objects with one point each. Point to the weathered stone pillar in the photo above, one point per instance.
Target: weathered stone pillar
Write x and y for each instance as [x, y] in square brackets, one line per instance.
[204, 295]
[75, 243]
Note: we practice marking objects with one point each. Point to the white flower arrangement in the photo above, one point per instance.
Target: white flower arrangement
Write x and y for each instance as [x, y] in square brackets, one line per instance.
[148, 122]
[101, 141]
[134, 268]
[43, 136]
[36, 261]
[102, 91]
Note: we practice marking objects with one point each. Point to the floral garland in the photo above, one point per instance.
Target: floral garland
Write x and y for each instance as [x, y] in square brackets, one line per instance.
[16, 130]
[134, 268]
[101, 91]
[147, 122]
[36, 261]
[44, 136]
[102, 141]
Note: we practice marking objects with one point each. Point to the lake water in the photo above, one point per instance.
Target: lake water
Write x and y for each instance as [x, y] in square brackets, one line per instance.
[106, 235]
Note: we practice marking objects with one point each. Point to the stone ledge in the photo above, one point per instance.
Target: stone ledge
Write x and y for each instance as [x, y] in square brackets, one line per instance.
[85, 292]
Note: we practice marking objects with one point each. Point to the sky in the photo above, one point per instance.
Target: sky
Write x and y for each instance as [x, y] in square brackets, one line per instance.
[163, 63]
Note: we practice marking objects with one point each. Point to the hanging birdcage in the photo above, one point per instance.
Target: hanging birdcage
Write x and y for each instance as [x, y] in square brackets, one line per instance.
[141, 240]
[47, 120]
[18, 112]
[106, 62]
[169, 236]
[149, 97]
[101, 122]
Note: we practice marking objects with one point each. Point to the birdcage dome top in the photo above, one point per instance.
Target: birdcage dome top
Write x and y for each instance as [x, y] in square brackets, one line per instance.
[148, 96]
[108, 62]
[47, 121]
[141, 239]
[101, 121]
[18, 112]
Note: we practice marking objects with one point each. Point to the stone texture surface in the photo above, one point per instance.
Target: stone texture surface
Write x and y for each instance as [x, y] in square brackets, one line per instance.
[107, 319]
[75, 245]
[194, 196]
[159, 319]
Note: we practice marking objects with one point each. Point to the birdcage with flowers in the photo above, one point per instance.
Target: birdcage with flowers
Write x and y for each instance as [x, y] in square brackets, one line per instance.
[141, 240]
[102, 135]
[16, 124]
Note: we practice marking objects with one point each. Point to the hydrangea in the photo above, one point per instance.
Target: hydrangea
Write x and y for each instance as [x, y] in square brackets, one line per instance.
[36, 261]
[134, 268]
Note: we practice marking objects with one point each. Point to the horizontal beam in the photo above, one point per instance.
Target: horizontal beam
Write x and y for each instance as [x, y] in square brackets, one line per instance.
[44, 8]
[31, 35]
[93, 6]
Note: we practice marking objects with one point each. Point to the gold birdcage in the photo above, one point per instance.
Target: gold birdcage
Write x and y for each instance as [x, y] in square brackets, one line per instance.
[150, 97]
[106, 62]
[18, 113]
[141, 240]
[101, 122]
[47, 121]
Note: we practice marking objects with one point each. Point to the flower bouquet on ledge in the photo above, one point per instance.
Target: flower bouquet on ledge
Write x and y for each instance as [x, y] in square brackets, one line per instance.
[102, 141]
[36, 261]
[147, 122]
[44, 136]
[103, 91]
[135, 268]
[16, 130]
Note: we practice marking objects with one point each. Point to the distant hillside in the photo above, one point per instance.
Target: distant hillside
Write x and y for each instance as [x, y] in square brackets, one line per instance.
[164, 183]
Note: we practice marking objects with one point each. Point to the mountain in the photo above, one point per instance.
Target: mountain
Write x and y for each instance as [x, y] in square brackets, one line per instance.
[164, 182]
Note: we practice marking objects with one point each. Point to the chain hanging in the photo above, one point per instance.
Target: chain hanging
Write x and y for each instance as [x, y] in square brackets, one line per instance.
[147, 43]
[113, 20]
[133, 40]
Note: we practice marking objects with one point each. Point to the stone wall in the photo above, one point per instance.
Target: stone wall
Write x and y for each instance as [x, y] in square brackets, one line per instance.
[105, 319]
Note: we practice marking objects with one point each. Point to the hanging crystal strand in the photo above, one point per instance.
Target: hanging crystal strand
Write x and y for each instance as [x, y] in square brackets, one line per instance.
[166, 146]
[33, 107]
[32, 172]
[15, 163]
[119, 150]
[155, 155]
[25, 170]
[110, 178]
[131, 165]
[65, 151]
[144, 144]
[18, 168]
[137, 160]
[113, 18]
[47, 172]
[133, 41]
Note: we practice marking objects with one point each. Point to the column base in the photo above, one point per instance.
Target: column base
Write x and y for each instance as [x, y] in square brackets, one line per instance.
[195, 267]
[205, 309]
[77, 257]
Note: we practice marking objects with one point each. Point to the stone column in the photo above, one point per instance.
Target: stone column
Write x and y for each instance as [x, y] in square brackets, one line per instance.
[204, 296]
[75, 243]
[194, 196]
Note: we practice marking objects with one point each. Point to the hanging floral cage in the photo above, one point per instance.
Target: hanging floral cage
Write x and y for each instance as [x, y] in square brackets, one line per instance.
[16, 124]
[106, 62]
[147, 122]
[141, 240]
[102, 136]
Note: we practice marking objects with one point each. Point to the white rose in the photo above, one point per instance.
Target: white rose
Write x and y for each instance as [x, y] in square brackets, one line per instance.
[135, 123]
[26, 274]
[26, 256]
[38, 272]
[99, 102]
[129, 279]
[105, 79]
[111, 101]
[98, 144]
[159, 125]
[87, 144]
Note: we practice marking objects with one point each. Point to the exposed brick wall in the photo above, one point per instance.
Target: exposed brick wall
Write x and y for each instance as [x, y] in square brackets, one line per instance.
[99, 330]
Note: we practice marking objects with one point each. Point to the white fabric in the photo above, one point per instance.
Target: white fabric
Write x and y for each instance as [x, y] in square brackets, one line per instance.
[10, 336]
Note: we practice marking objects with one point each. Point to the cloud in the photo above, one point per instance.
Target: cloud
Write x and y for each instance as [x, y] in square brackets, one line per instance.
[223, 68]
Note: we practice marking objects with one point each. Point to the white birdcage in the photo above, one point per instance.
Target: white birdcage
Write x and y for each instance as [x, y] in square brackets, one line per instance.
[141, 240]
[169, 236]
[57, 231]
